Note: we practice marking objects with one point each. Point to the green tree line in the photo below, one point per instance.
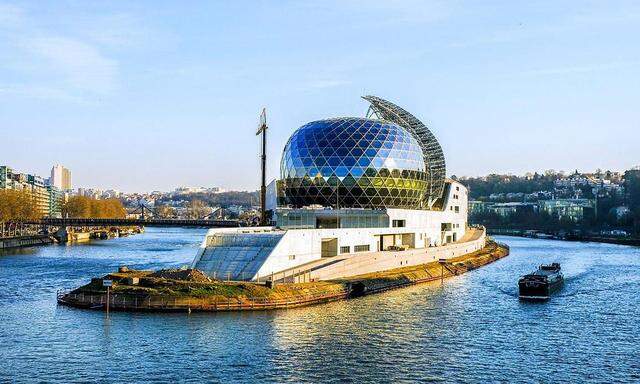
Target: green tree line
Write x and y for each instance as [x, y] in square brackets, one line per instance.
[483, 187]
[604, 215]
[632, 186]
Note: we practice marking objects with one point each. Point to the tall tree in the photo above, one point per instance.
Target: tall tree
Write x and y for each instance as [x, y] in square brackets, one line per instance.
[17, 206]
[165, 212]
[196, 209]
[632, 186]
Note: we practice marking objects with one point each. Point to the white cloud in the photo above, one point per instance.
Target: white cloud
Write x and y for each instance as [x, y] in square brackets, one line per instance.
[54, 64]
[82, 65]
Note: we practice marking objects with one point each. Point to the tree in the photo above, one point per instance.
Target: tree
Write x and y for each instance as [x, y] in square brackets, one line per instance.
[17, 206]
[86, 207]
[632, 186]
[223, 199]
[196, 209]
[165, 212]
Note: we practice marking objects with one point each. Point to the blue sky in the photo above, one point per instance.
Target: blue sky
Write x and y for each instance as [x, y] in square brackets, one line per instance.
[150, 95]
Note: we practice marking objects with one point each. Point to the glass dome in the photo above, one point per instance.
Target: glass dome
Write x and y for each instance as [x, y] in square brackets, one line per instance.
[353, 163]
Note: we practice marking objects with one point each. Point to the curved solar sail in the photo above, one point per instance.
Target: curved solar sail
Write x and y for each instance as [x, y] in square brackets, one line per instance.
[431, 149]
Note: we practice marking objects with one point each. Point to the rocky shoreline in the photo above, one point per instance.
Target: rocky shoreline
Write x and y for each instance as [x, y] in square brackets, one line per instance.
[191, 290]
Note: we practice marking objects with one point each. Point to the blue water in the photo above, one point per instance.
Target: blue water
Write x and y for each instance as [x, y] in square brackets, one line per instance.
[471, 329]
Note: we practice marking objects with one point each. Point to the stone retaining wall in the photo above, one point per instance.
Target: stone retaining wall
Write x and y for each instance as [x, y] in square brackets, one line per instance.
[25, 241]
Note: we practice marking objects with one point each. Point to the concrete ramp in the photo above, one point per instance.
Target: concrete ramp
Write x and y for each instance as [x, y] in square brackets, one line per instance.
[235, 256]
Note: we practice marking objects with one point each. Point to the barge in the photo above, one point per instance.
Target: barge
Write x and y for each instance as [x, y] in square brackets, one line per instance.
[540, 284]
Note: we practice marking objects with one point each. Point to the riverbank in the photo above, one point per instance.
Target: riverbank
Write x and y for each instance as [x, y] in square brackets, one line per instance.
[535, 234]
[68, 236]
[79, 235]
[25, 241]
[190, 290]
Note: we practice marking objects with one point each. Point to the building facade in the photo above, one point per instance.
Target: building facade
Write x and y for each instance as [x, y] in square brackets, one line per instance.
[47, 198]
[61, 178]
[369, 189]
[575, 210]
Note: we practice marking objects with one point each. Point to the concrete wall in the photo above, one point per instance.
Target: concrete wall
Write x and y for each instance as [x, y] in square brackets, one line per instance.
[380, 261]
[423, 230]
[25, 241]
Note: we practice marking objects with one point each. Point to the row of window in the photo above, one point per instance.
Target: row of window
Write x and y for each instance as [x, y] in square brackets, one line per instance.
[356, 248]
[361, 248]
[449, 226]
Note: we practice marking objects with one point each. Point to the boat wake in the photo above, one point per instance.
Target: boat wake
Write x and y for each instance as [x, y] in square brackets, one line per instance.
[591, 291]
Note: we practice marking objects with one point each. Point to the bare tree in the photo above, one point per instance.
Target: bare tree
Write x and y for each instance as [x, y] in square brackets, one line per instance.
[196, 209]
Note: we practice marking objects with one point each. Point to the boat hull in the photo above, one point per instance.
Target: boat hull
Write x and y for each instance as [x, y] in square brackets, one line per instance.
[538, 291]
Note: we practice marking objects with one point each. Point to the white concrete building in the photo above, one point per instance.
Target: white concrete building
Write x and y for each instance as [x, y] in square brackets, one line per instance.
[61, 178]
[355, 196]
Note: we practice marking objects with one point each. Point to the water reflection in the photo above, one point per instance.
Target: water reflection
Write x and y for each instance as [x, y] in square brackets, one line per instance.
[472, 328]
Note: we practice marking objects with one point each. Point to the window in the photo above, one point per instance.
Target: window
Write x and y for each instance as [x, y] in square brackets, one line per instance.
[457, 209]
[345, 249]
[457, 188]
[399, 223]
[292, 257]
[361, 248]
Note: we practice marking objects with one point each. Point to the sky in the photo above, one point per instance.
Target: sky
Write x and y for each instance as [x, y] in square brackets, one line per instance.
[151, 95]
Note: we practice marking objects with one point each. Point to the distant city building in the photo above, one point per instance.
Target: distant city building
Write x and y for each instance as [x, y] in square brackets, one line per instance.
[501, 209]
[477, 207]
[190, 190]
[540, 195]
[61, 178]
[90, 192]
[575, 210]
[621, 211]
[95, 193]
[56, 199]
[111, 194]
[48, 198]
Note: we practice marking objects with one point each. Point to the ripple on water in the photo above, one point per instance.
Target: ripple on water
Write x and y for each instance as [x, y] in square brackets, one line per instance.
[471, 329]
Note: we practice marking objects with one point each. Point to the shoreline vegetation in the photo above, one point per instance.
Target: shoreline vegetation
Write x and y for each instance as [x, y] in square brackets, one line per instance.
[189, 290]
[20, 208]
[610, 201]
[71, 236]
[566, 236]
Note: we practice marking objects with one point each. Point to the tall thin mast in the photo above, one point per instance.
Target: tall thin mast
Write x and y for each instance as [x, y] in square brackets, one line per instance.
[262, 128]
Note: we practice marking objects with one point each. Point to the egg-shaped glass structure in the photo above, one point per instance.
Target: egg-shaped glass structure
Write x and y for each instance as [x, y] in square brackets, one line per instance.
[353, 163]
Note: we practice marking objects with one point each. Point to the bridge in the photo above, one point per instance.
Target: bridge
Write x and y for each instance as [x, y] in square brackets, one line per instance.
[72, 222]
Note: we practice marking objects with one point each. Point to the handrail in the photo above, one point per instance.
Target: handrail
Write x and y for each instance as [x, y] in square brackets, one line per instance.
[119, 301]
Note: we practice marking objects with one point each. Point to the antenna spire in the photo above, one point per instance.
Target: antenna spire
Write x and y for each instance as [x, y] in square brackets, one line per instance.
[262, 128]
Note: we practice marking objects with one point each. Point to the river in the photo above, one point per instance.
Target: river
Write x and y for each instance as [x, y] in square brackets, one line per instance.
[470, 329]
